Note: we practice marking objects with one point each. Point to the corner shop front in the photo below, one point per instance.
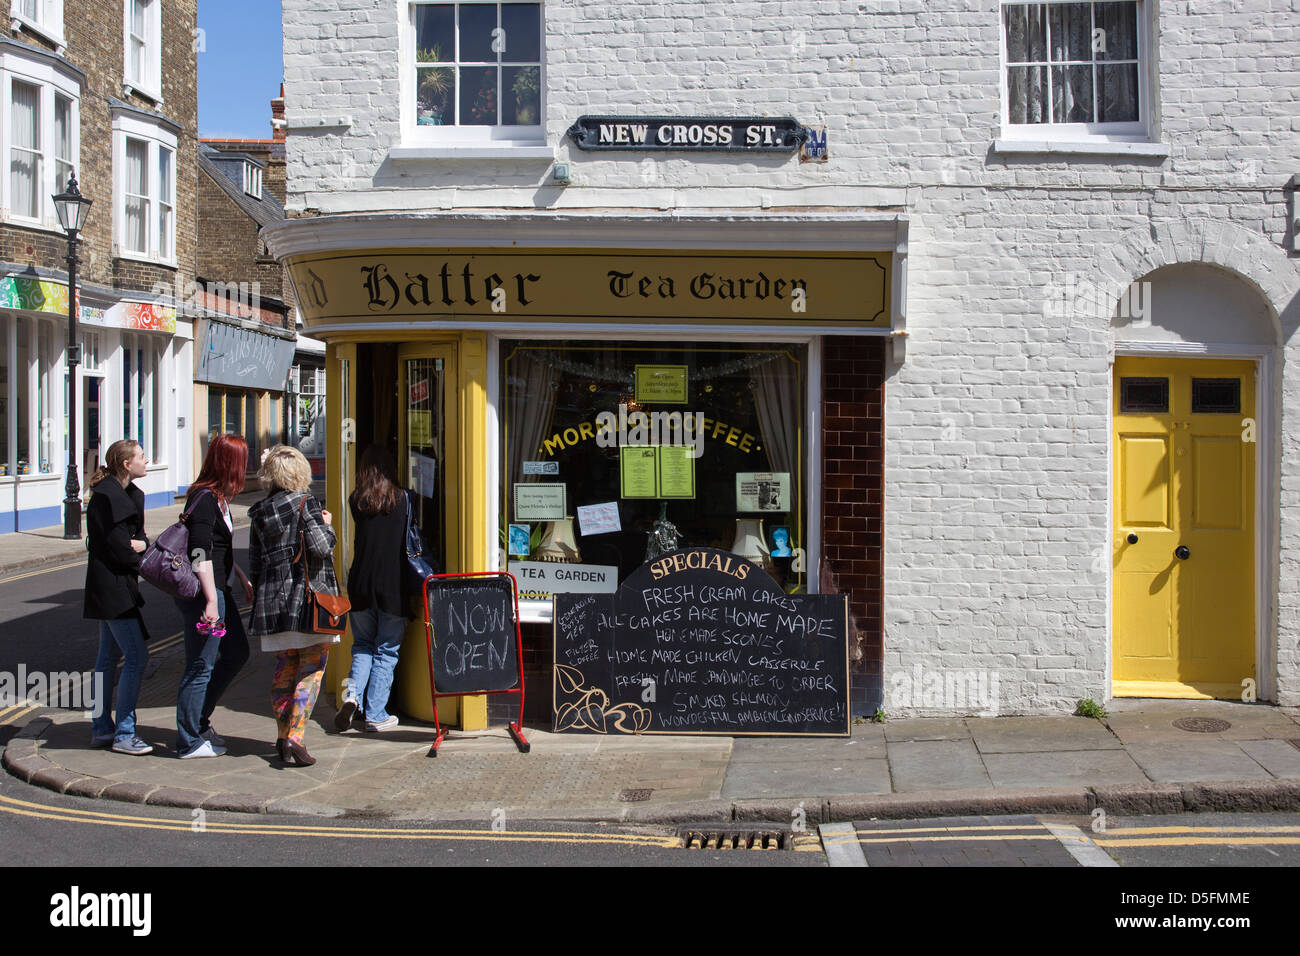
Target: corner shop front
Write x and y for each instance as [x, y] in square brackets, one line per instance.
[561, 390]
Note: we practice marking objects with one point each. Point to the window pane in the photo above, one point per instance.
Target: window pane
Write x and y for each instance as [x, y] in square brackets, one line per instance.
[522, 23]
[1118, 23]
[477, 21]
[4, 394]
[435, 97]
[29, 9]
[1027, 94]
[233, 426]
[1118, 88]
[478, 96]
[24, 158]
[1139, 395]
[214, 412]
[434, 38]
[521, 99]
[62, 141]
[22, 394]
[1216, 396]
[165, 175]
[45, 413]
[1072, 94]
[127, 354]
[1071, 31]
[141, 393]
[137, 187]
[251, 431]
[1026, 27]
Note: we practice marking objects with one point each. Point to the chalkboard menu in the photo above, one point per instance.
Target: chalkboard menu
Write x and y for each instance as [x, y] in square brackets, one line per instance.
[701, 641]
[473, 634]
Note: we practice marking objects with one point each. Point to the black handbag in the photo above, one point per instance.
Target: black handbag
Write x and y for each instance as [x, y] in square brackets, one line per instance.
[417, 566]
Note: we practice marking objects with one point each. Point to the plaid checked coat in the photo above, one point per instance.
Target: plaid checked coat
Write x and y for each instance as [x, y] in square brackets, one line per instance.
[279, 591]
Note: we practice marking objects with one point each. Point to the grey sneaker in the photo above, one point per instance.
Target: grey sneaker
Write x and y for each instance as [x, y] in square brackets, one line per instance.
[383, 725]
[131, 745]
[212, 737]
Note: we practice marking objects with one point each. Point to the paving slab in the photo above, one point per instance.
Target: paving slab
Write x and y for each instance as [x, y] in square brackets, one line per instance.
[1181, 761]
[926, 728]
[1083, 767]
[1041, 735]
[800, 779]
[866, 743]
[1278, 757]
[917, 765]
[1155, 721]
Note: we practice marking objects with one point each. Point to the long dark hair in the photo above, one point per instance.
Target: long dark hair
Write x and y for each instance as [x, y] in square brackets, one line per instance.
[378, 490]
[223, 467]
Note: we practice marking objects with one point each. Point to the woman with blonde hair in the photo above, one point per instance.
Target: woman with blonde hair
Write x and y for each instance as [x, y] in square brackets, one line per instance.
[290, 543]
[116, 539]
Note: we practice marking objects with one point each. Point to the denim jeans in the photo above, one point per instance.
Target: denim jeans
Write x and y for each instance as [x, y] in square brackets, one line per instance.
[376, 640]
[211, 663]
[123, 640]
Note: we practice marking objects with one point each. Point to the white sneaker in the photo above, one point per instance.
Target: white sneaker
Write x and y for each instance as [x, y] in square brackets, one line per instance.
[383, 725]
[214, 738]
[205, 749]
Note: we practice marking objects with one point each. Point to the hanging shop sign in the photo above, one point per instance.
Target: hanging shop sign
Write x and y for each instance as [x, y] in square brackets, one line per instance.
[233, 355]
[849, 290]
[738, 134]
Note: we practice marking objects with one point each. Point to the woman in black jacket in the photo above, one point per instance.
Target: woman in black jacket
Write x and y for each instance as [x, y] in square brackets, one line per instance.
[115, 523]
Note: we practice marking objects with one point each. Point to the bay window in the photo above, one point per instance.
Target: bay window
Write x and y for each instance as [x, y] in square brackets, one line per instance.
[40, 135]
[144, 162]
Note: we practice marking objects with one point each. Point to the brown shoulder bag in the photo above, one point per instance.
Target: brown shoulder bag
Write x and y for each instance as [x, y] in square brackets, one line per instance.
[325, 613]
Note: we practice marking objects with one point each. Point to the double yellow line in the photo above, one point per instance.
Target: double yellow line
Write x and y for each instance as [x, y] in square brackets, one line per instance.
[24, 808]
[1118, 837]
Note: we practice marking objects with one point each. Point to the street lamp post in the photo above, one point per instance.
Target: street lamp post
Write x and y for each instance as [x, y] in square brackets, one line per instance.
[72, 208]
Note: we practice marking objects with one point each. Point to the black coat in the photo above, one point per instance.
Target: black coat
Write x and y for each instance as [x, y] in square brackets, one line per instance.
[115, 517]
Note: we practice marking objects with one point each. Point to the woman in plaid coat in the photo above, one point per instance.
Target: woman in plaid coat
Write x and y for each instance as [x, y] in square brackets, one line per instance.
[279, 585]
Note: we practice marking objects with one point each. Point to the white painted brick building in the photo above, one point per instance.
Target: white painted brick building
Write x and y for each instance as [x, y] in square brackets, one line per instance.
[1003, 544]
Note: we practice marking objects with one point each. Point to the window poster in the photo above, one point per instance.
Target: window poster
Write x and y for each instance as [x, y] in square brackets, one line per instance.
[763, 491]
[599, 519]
[424, 471]
[539, 502]
[638, 472]
[519, 540]
[421, 428]
[664, 384]
[676, 472]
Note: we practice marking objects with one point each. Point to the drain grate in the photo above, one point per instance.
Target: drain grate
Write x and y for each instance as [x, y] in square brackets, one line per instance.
[699, 839]
[1201, 725]
[635, 796]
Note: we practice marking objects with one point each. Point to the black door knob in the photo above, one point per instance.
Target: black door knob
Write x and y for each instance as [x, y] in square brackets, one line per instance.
[1182, 552]
[1132, 538]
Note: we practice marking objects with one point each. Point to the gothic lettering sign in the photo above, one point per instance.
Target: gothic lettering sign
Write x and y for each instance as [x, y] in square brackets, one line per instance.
[741, 134]
[847, 291]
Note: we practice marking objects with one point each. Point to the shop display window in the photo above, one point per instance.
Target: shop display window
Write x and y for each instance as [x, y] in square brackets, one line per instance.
[612, 454]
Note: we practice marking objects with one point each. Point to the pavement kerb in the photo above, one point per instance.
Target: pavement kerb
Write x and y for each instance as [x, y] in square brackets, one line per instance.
[23, 759]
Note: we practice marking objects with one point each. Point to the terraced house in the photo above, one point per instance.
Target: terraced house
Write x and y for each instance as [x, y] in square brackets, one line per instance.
[107, 91]
[988, 308]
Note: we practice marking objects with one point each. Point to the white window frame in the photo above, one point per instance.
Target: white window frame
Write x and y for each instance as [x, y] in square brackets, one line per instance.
[461, 137]
[47, 23]
[252, 179]
[1140, 131]
[50, 81]
[157, 137]
[150, 84]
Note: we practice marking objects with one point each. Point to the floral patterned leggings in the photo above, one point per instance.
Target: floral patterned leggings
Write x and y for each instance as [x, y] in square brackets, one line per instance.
[294, 688]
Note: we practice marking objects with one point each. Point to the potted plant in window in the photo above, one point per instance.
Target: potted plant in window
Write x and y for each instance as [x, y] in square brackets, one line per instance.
[527, 99]
[431, 95]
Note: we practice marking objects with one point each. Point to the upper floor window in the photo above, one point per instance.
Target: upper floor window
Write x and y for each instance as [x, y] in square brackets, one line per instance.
[39, 132]
[253, 180]
[144, 179]
[142, 41]
[475, 71]
[42, 17]
[1075, 70]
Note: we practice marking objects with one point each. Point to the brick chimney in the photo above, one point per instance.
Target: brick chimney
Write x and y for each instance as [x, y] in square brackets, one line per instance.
[277, 116]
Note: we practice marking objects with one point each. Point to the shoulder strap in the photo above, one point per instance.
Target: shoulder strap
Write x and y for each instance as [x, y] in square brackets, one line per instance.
[195, 503]
[302, 544]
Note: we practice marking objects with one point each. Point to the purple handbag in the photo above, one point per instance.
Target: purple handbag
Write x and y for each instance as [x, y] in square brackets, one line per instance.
[166, 562]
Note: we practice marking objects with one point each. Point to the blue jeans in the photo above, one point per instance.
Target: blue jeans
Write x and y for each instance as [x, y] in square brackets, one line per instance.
[211, 663]
[121, 639]
[376, 640]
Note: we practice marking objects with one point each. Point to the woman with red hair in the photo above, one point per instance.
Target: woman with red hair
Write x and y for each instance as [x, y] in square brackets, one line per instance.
[216, 646]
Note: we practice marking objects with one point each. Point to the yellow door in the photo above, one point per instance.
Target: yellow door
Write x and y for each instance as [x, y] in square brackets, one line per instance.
[1184, 493]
